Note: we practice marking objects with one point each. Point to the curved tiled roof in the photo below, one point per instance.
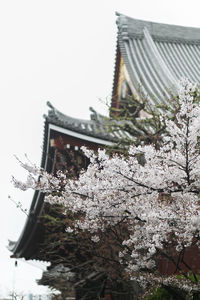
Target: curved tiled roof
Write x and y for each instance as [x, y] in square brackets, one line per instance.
[158, 55]
[98, 126]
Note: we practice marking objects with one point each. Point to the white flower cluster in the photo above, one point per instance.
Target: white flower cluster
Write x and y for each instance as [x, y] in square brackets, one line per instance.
[39, 179]
[158, 201]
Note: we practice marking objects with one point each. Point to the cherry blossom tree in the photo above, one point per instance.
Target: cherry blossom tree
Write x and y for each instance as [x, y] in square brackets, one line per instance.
[151, 210]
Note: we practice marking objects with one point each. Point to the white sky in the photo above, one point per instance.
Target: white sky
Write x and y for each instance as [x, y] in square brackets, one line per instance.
[60, 51]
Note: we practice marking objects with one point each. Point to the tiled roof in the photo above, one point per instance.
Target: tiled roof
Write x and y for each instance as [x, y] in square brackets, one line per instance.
[98, 126]
[158, 55]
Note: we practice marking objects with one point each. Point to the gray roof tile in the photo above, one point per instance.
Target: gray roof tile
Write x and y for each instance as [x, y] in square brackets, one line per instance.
[98, 126]
[158, 55]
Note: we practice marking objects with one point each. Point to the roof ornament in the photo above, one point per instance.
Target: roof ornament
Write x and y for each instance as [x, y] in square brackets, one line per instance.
[122, 24]
[53, 110]
[118, 14]
[50, 105]
[95, 116]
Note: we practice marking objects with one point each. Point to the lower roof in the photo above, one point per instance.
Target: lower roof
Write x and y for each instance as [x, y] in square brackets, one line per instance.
[98, 127]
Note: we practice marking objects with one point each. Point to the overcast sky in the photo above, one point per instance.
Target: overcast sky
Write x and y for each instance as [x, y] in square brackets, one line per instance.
[63, 52]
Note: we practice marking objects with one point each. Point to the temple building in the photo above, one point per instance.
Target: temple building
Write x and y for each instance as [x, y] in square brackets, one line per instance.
[150, 60]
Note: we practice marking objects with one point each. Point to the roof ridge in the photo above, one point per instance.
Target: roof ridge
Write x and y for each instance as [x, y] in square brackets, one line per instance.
[158, 57]
[120, 15]
[68, 118]
[157, 29]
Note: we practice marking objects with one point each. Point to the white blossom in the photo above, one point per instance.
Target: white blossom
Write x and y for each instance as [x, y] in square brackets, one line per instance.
[95, 239]
[158, 201]
[69, 230]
